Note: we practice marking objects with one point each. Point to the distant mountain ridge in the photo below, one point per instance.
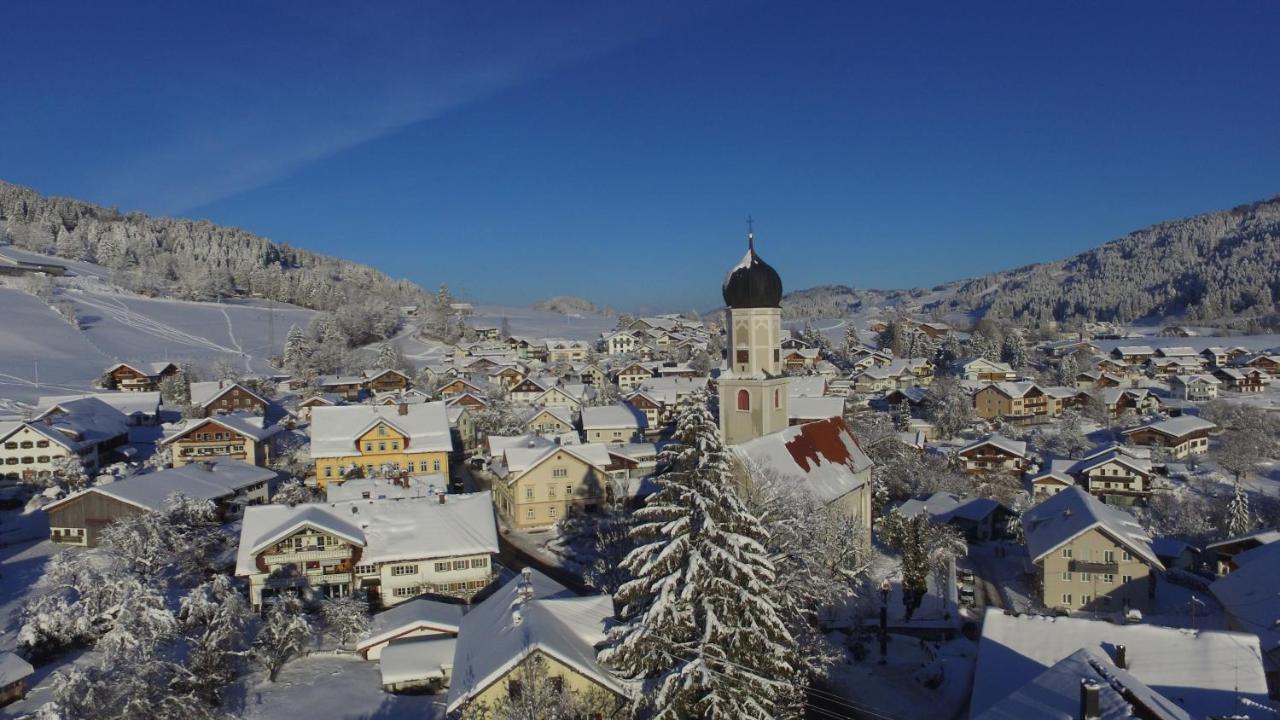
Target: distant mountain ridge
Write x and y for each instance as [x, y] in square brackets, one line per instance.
[1216, 268]
[565, 305]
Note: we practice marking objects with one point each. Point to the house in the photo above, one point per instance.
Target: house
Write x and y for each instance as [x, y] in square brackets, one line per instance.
[387, 380]
[591, 374]
[218, 396]
[802, 410]
[532, 618]
[995, 454]
[977, 518]
[1183, 436]
[822, 457]
[1202, 674]
[630, 377]
[1222, 553]
[14, 672]
[86, 430]
[1052, 480]
[1248, 597]
[1133, 355]
[1216, 356]
[139, 408]
[235, 437]
[884, 378]
[400, 488]
[138, 377]
[914, 397]
[1176, 351]
[458, 386]
[79, 518]
[418, 664]
[393, 550]
[419, 617]
[303, 410]
[1270, 364]
[568, 351]
[468, 399]
[800, 358]
[347, 387]
[378, 440]
[1016, 402]
[936, 331]
[980, 369]
[538, 486]
[673, 393]
[550, 421]
[653, 409]
[1243, 380]
[619, 423]
[506, 376]
[1085, 684]
[1088, 555]
[1117, 475]
[529, 389]
[621, 342]
[1174, 553]
[1195, 387]
[570, 396]
[1063, 348]
[1118, 401]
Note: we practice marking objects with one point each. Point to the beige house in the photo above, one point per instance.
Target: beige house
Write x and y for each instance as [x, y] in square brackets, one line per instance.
[1183, 436]
[236, 437]
[995, 454]
[1090, 556]
[630, 377]
[621, 423]
[1017, 402]
[550, 421]
[539, 486]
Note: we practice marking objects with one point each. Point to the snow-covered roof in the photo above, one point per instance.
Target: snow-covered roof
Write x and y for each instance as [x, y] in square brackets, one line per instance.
[1135, 350]
[1055, 693]
[417, 659]
[1066, 515]
[1117, 455]
[150, 369]
[209, 480]
[413, 486]
[519, 460]
[821, 456]
[417, 613]
[1014, 389]
[334, 430]
[204, 393]
[1261, 537]
[1176, 351]
[531, 613]
[806, 386]
[1198, 670]
[943, 507]
[254, 427]
[1016, 447]
[81, 422]
[128, 403]
[1177, 427]
[620, 415]
[814, 408]
[1197, 378]
[389, 530]
[1251, 594]
[13, 669]
[1058, 469]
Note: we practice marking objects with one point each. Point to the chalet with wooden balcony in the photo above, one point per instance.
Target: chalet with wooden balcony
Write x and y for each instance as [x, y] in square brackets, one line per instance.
[980, 369]
[1270, 364]
[85, 429]
[458, 386]
[219, 397]
[347, 387]
[1183, 436]
[529, 389]
[1133, 355]
[995, 454]
[1117, 475]
[392, 550]
[138, 377]
[1196, 388]
[247, 438]
[631, 376]
[1088, 555]
[387, 380]
[1016, 402]
[1245, 380]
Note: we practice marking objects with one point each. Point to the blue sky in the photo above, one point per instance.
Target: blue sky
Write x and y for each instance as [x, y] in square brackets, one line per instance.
[612, 150]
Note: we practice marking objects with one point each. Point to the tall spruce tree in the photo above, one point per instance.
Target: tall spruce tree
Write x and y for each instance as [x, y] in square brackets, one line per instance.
[700, 624]
[1239, 517]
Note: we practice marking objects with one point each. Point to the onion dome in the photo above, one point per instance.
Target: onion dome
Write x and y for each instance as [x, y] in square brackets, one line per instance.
[752, 283]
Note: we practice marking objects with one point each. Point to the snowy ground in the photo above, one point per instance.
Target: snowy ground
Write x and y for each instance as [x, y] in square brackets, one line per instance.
[40, 353]
[898, 688]
[322, 686]
[527, 322]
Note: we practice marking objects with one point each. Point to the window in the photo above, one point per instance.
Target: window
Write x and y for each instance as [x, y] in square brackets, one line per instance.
[551, 511]
[42, 443]
[1125, 556]
[551, 491]
[744, 400]
[528, 492]
[395, 444]
[1066, 552]
[1084, 599]
[382, 447]
[406, 591]
[1126, 578]
[528, 514]
[1066, 575]
[568, 491]
[366, 569]
[1108, 578]
[404, 570]
[460, 564]
[368, 447]
[328, 471]
[422, 466]
[479, 562]
[442, 566]
[382, 431]
[743, 357]
[435, 466]
[560, 472]
[777, 399]
[27, 445]
[1066, 598]
[1108, 556]
[1085, 577]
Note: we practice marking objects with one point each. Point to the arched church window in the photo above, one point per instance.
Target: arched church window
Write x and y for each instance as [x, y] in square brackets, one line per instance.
[744, 400]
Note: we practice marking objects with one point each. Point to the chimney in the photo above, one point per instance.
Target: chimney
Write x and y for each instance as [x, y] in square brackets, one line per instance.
[404, 408]
[1121, 658]
[220, 384]
[440, 497]
[517, 617]
[1089, 702]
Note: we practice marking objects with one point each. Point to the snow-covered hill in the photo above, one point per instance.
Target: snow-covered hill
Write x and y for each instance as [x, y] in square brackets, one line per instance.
[40, 353]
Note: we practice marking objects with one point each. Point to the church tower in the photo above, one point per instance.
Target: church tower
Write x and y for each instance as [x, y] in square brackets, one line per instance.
[753, 391]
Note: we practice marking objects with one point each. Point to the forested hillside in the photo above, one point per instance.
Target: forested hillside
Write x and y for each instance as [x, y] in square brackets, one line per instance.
[1221, 266]
[192, 259]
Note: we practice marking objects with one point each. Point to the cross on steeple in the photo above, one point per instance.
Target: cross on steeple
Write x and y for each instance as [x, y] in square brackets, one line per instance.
[751, 235]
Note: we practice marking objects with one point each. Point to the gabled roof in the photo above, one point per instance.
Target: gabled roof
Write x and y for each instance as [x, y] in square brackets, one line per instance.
[209, 480]
[1200, 671]
[1014, 447]
[1251, 594]
[1063, 517]
[1177, 427]
[943, 507]
[530, 614]
[205, 393]
[814, 408]
[13, 669]
[412, 614]
[607, 417]
[823, 457]
[334, 430]
[251, 426]
[128, 403]
[150, 369]
[520, 460]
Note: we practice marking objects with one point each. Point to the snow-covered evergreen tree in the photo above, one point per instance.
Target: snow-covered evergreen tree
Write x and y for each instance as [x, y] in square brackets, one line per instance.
[700, 623]
[1239, 517]
[852, 342]
[948, 406]
[1068, 369]
[297, 353]
[346, 618]
[901, 413]
[1014, 351]
[293, 492]
[214, 616]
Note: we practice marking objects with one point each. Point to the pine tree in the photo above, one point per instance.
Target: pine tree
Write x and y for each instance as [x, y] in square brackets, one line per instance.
[1068, 369]
[901, 413]
[699, 620]
[1239, 517]
[297, 353]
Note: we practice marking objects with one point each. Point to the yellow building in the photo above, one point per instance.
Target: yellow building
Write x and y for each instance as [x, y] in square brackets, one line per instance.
[380, 441]
[539, 486]
[534, 630]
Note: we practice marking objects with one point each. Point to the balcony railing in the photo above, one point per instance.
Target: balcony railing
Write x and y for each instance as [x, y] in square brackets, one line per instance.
[1093, 567]
[301, 556]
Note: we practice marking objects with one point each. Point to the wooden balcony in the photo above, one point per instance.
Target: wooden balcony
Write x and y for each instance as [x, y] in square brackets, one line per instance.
[302, 556]
[1093, 567]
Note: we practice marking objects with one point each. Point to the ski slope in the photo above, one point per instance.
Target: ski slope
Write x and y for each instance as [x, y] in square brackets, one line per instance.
[41, 354]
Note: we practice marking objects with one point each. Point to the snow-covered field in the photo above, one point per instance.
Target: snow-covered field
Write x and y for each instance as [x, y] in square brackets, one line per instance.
[40, 353]
[324, 686]
[527, 322]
